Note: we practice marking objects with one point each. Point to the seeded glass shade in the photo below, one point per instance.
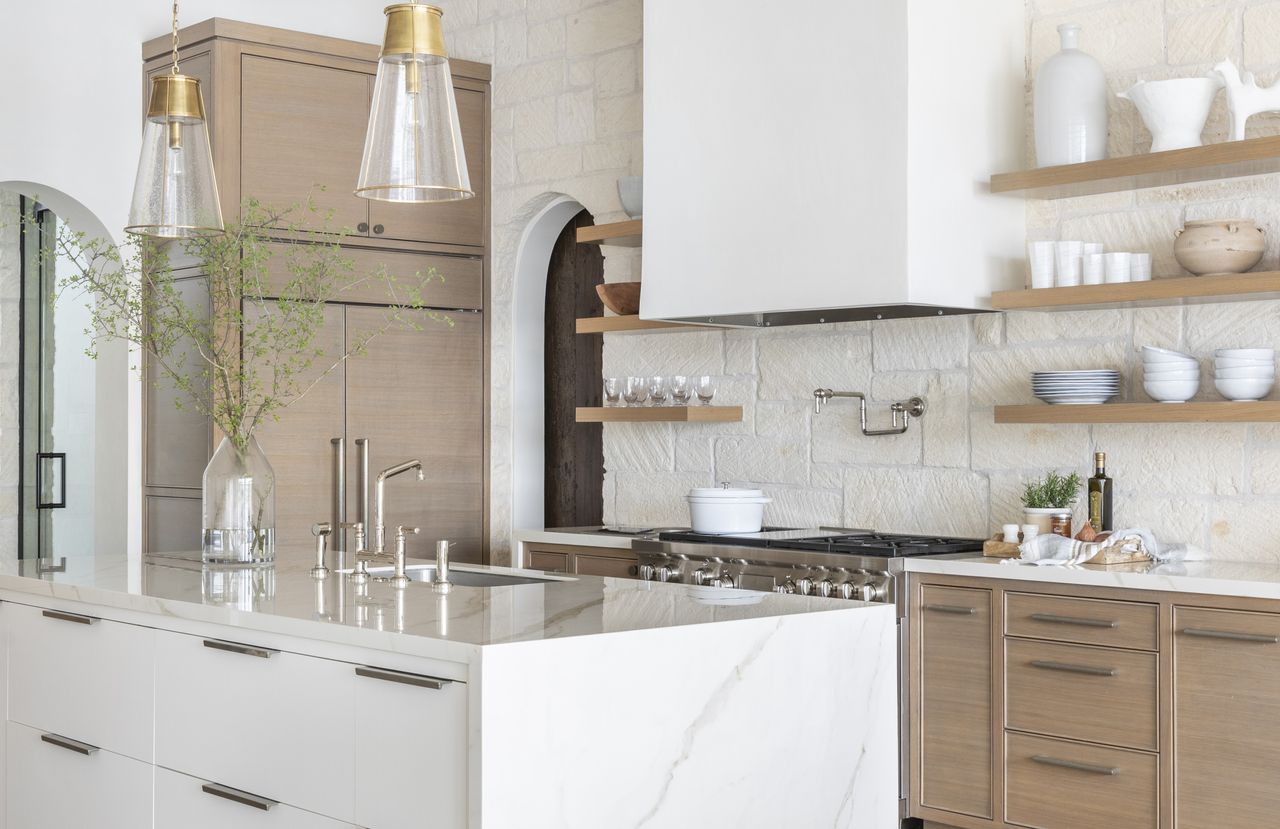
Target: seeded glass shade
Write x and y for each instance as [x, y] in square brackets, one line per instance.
[175, 195]
[413, 148]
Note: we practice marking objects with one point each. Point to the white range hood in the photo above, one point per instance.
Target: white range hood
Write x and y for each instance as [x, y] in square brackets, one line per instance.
[819, 161]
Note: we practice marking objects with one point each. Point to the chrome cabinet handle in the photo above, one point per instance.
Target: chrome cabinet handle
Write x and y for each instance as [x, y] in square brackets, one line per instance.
[1110, 771]
[1209, 633]
[404, 679]
[68, 617]
[1073, 620]
[951, 608]
[1072, 669]
[238, 796]
[69, 744]
[247, 650]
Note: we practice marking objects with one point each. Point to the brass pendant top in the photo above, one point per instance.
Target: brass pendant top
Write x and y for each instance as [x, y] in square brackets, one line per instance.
[413, 29]
[175, 96]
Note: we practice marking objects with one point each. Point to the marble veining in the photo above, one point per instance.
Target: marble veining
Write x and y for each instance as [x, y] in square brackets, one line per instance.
[1215, 578]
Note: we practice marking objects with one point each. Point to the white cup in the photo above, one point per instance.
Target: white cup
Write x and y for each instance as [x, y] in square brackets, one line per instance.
[1030, 531]
[1067, 272]
[1094, 268]
[1140, 267]
[1091, 248]
[1010, 533]
[1040, 257]
[1117, 267]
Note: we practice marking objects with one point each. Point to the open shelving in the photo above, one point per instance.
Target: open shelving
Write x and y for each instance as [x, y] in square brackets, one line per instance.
[629, 324]
[624, 234]
[1208, 411]
[659, 414]
[1220, 287]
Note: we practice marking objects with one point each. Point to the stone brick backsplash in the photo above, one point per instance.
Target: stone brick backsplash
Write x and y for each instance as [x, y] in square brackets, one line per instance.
[956, 471]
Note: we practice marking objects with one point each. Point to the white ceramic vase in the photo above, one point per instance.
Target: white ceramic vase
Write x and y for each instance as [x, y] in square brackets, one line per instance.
[1070, 105]
[1175, 110]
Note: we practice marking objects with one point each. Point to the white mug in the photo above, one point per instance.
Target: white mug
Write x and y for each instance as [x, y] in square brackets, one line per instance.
[1041, 258]
[1068, 255]
[1094, 269]
[1117, 267]
[1140, 267]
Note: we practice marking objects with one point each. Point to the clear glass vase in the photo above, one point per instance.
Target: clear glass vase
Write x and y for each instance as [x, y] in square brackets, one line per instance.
[239, 518]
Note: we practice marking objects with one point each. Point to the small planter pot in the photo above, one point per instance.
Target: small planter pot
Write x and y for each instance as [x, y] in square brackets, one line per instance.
[1042, 517]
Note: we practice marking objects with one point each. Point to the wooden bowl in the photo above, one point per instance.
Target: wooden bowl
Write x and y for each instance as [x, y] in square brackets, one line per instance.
[622, 298]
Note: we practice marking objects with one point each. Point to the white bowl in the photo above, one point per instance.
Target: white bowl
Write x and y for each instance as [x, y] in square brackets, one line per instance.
[1246, 373]
[631, 194]
[1240, 362]
[1243, 389]
[1247, 353]
[1151, 354]
[1187, 374]
[1171, 391]
[1174, 110]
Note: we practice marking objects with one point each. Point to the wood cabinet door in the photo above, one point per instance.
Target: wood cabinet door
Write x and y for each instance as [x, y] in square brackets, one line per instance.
[1226, 718]
[297, 445]
[302, 127]
[953, 722]
[458, 281]
[420, 394]
[460, 222]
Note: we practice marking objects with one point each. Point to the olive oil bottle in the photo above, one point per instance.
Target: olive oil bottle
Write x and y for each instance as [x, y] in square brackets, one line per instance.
[1100, 489]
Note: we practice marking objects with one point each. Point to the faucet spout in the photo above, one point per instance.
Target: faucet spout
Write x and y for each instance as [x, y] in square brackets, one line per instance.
[379, 526]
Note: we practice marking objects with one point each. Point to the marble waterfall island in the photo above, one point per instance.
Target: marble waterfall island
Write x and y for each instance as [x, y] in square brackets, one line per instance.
[546, 702]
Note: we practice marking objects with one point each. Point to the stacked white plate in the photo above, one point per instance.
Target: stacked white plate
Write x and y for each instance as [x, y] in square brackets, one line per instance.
[1244, 373]
[1075, 388]
[1169, 376]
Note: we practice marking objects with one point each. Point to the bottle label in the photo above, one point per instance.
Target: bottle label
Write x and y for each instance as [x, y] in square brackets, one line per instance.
[1095, 510]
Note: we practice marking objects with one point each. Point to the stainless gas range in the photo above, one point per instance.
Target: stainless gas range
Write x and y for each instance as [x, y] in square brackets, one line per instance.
[839, 563]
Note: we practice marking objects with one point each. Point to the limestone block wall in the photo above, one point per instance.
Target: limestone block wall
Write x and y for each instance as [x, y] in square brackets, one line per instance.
[955, 471]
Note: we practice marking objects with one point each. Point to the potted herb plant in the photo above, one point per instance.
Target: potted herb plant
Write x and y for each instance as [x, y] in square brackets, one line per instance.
[1054, 494]
[239, 352]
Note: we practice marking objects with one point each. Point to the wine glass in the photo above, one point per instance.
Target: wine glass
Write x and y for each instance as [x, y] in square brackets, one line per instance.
[658, 390]
[705, 387]
[636, 391]
[680, 390]
[612, 391]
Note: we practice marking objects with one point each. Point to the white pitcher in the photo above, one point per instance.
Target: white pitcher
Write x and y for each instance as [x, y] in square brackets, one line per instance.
[1175, 110]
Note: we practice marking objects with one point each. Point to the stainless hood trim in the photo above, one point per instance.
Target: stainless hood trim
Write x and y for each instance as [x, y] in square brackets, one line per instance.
[830, 315]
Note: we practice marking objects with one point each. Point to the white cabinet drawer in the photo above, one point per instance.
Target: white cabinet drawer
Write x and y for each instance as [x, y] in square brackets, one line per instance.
[184, 802]
[275, 724]
[411, 750]
[53, 787]
[88, 679]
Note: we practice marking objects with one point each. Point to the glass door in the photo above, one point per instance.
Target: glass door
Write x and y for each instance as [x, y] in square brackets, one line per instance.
[57, 405]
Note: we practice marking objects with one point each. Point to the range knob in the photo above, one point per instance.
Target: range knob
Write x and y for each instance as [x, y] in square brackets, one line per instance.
[721, 581]
[645, 572]
[876, 589]
[845, 590]
[787, 586]
[664, 573]
[825, 588]
[701, 576]
[804, 586]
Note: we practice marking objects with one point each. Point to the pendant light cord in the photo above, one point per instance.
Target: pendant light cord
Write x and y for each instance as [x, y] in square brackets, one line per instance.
[175, 37]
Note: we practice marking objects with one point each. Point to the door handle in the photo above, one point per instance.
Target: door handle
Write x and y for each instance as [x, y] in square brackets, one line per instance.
[1071, 668]
[68, 617]
[404, 679]
[233, 647]
[41, 459]
[1209, 633]
[69, 744]
[238, 796]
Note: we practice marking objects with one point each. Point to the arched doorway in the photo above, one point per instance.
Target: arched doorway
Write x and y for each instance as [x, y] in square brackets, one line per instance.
[574, 452]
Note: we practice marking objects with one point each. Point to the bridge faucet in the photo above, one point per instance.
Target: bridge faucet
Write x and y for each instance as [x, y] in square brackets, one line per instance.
[379, 528]
[903, 410]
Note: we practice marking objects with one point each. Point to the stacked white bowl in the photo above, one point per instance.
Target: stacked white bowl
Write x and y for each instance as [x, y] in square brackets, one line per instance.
[1169, 376]
[1244, 373]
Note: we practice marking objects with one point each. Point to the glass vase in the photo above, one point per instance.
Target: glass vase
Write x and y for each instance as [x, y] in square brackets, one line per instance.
[239, 516]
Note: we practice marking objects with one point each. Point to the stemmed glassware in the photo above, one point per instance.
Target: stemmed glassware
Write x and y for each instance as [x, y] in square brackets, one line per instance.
[612, 391]
[657, 390]
[636, 391]
[680, 390]
[705, 387]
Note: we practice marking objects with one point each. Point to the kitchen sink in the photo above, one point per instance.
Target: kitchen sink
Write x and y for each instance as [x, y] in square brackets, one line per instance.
[462, 578]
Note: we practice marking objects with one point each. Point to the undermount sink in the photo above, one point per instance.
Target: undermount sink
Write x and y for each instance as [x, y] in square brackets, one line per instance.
[462, 578]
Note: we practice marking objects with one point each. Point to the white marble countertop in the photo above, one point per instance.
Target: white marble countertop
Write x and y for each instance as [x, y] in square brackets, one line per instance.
[1215, 578]
[414, 620]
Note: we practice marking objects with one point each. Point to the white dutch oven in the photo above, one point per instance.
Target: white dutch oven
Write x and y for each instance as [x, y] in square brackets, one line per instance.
[725, 510]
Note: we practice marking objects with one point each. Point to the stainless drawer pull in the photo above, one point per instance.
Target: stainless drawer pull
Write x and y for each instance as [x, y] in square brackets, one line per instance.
[405, 679]
[1072, 669]
[1073, 620]
[68, 617]
[1208, 633]
[247, 650]
[951, 608]
[1110, 771]
[69, 744]
[237, 796]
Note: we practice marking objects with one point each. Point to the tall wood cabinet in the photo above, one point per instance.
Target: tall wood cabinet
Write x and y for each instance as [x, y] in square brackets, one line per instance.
[287, 115]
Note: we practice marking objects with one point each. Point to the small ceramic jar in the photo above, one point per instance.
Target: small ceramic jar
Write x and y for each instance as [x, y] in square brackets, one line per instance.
[1219, 246]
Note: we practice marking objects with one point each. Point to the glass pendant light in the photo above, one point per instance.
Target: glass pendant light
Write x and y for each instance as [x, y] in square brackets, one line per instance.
[175, 195]
[413, 149]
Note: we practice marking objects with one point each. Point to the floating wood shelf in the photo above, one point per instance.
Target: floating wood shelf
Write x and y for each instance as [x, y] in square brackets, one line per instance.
[660, 414]
[1223, 287]
[1212, 411]
[630, 324]
[624, 234]
[1230, 159]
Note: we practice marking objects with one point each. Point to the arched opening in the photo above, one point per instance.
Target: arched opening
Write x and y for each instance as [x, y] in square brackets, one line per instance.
[65, 425]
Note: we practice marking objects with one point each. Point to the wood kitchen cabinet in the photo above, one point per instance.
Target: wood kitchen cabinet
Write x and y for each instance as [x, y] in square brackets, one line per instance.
[609, 562]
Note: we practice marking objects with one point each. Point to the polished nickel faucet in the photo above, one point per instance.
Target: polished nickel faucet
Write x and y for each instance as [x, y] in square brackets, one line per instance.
[379, 529]
[906, 409]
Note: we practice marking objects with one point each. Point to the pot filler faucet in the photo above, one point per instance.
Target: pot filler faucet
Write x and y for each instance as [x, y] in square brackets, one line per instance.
[906, 409]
